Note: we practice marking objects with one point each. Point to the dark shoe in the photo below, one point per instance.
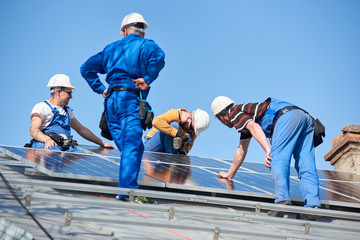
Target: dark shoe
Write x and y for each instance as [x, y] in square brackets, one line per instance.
[309, 217]
[276, 213]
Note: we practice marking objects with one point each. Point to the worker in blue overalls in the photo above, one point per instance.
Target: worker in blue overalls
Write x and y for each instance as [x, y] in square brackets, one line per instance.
[52, 120]
[292, 135]
[131, 65]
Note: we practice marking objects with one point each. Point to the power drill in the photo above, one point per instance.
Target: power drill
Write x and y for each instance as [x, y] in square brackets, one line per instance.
[177, 142]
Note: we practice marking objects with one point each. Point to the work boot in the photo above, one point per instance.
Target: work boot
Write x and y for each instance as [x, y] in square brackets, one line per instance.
[308, 217]
[276, 213]
[138, 199]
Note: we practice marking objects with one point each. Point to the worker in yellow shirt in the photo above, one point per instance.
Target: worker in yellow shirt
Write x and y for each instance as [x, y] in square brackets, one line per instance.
[174, 125]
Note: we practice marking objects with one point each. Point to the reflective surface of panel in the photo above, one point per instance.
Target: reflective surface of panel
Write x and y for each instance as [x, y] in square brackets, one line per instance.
[182, 172]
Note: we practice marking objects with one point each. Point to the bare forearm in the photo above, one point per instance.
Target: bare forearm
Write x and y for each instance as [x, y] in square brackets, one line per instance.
[238, 160]
[259, 136]
[39, 135]
[88, 135]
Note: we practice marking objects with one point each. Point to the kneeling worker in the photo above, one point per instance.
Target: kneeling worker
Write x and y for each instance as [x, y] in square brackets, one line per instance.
[174, 125]
[52, 120]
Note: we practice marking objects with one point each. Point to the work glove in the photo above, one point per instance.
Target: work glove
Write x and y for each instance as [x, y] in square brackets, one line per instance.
[182, 135]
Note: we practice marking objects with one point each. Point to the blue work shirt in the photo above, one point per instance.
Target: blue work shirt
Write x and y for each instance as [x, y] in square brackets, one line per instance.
[129, 58]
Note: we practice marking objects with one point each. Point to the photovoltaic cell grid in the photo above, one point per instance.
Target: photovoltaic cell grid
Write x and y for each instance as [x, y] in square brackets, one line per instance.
[180, 172]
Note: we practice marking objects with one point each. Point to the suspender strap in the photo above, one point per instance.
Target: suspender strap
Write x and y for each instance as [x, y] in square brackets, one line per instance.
[279, 113]
[52, 109]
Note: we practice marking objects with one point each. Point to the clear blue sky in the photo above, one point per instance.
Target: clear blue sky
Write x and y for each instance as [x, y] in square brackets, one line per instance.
[306, 52]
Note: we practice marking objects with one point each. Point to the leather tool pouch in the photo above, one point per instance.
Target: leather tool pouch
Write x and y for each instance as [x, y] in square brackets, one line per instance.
[105, 132]
[146, 115]
[319, 131]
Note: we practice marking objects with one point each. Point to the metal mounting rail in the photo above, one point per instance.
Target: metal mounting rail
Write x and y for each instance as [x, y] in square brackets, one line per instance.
[257, 206]
[213, 213]
[69, 217]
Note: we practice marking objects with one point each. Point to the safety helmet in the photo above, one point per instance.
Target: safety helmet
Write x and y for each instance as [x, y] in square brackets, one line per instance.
[132, 18]
[219, 104]
[201, 121]
[60, 80]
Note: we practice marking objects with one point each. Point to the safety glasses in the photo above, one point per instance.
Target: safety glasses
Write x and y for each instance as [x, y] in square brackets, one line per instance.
[68, 91]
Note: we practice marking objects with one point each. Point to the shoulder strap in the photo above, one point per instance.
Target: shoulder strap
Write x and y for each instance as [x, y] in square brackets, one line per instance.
[52, 109]
[67, 108]
[278, 114]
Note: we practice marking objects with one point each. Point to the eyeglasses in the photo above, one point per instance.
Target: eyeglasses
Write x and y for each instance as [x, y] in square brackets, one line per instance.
[68, 91]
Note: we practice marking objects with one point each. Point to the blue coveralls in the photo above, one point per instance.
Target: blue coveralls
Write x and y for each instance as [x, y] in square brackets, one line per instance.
[293, 135]
[129, 58]
[60, 124]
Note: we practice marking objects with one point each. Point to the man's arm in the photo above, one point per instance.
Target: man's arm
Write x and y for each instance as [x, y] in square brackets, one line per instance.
[90, 69]
[259, 135]
[162, 122]
[238, 159]
[37, 134]
[87, 134]
[155, 63]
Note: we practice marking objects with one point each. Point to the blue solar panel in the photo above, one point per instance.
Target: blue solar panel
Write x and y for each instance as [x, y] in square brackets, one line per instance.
[68, 165]
[181, 172]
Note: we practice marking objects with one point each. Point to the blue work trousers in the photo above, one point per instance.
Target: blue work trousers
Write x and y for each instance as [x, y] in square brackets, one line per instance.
[161, 142]
[293, 136]
[122, 112]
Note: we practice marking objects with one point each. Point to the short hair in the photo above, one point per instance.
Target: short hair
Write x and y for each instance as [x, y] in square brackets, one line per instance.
[54, 89]
[138, 26]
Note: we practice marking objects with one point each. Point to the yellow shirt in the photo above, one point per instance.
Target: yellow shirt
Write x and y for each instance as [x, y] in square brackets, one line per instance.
[162, 123]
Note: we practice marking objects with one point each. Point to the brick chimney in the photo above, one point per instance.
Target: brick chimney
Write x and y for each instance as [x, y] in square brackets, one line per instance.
[345, 152]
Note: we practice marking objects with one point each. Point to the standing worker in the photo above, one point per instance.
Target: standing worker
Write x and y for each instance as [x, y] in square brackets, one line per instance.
[176, 123]
[131, 65]
[292, 135]
[52, 120]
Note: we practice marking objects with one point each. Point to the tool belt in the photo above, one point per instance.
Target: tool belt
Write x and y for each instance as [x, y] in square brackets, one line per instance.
[61, 140]
[120, 88]
[319, 131]
[146, 115]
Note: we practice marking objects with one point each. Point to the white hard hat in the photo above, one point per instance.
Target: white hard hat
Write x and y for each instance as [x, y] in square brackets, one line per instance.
[219, 104]
[201, 121]
[132, 18]
[60, 80]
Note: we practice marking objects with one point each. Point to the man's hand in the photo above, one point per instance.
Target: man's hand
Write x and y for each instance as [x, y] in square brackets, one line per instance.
[107, 145]
[223, 175]
[140, 84]
[267, 160]
[49, 143]
[183, 136]
[104, 93]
